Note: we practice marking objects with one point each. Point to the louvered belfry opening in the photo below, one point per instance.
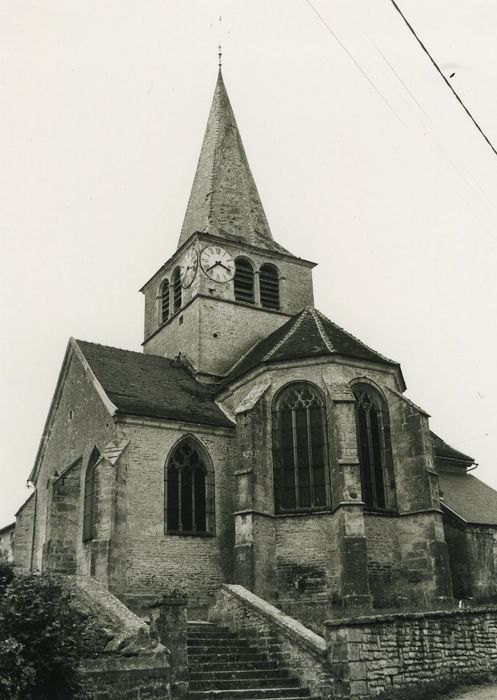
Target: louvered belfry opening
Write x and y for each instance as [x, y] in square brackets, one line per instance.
[90, 497]
[300, 450]
[244, 281]
[373, 441]
[164, 301]
[269, 286]
[189, 504]
[177, 290]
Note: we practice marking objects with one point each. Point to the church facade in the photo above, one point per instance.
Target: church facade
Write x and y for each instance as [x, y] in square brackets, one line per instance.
[253, 441]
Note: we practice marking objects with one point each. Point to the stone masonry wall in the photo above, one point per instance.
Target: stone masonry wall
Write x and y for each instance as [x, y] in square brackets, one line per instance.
[23, 538]
[81, 422]
[157, 562]
[370, 655]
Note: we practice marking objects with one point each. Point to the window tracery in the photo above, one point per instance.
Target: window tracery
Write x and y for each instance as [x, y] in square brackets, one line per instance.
[373, 442]
[189, 491]
[301, 479]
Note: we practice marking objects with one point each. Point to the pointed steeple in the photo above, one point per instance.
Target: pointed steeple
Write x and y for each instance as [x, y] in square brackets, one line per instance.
[224, 200]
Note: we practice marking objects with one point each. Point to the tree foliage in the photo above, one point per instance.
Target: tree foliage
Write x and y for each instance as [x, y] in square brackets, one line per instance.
[40, 638]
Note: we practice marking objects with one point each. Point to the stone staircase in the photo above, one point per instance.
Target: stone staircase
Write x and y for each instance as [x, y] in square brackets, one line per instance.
[227, 667]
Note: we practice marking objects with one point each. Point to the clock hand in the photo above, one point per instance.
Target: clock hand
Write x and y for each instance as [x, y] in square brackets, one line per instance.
[226, 268]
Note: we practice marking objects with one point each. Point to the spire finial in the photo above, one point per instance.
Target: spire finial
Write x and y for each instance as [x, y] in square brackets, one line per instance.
[220, 56]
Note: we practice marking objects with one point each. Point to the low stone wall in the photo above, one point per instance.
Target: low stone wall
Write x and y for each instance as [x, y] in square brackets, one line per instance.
[123, 658]
[373, 654]
[121, 678]
[278, 636]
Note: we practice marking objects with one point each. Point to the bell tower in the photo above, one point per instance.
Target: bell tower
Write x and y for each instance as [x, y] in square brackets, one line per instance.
[229, 284]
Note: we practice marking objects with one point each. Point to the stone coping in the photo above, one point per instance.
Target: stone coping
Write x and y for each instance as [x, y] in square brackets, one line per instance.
[291, 627]
[400, 616]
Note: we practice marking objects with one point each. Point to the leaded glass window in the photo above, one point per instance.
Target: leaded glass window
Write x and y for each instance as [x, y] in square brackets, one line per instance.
[373, 441]
[189, 491]
[301, 479]
[90, 497]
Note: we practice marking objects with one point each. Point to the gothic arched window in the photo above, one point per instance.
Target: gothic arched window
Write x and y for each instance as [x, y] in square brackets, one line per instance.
[90, 497]
[177, 290]
[269, 286]
[301, 479]
[244, 281]
[164, 301]
[189, 491]
[375, 454]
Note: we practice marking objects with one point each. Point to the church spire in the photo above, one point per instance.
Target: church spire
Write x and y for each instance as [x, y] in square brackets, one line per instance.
[224, 200]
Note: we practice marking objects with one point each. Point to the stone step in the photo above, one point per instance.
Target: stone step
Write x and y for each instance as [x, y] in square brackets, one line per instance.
[226, 657]
[250, 694]
[215, 666]
[236, 673]
[243, 683]
[228, 667]
[214, 641]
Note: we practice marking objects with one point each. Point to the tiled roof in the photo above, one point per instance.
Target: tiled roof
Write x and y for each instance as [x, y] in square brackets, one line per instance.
[445, 452]
[153, 386]
[224, 200]
[307, 334]
[469, 497]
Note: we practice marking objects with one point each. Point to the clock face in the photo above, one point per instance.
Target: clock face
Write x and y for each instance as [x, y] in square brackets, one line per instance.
[217, 263]
[188, 267]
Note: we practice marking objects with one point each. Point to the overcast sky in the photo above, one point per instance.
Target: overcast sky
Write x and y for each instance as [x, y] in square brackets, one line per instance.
[364, 161]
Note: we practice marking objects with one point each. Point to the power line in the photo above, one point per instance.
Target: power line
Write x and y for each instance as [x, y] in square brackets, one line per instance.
[356, 63]
[413, 32]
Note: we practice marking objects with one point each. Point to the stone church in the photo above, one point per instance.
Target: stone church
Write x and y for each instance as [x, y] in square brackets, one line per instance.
[253, 441]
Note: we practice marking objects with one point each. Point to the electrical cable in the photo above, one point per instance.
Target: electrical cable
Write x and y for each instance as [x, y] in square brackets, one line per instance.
[413, 32]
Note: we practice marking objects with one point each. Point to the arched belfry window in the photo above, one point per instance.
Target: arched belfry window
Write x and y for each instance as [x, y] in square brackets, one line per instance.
[164, 301]
[300, 451]
[269, 286]
[244, 281]
[189, 490]
[177, 290]
[374, 447]
[90, 497]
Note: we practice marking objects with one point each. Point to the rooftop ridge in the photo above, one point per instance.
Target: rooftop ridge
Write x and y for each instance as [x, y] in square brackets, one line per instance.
[321, 330]
[357, 340]
[287, 335]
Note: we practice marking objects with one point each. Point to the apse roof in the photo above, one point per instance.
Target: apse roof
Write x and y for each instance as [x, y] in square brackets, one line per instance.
[224, 200]
[443, 451]
[307, 334]
[468, 497]
[152, 386]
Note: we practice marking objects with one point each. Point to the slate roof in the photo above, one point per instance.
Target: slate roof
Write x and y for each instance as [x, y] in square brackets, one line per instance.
[444, 452]
[307, 334]
[224, 200]
[152, 386]
[469, 497]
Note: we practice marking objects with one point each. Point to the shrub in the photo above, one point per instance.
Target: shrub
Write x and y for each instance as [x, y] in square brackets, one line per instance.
[41, 636]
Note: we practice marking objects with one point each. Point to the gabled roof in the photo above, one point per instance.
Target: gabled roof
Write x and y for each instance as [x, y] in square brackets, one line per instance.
[224, 200]
[468, 497]
[444, 453]
[307, 334]
[152, 386]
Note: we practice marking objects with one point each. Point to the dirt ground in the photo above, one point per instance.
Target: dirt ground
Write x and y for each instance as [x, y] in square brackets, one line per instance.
[488, 692]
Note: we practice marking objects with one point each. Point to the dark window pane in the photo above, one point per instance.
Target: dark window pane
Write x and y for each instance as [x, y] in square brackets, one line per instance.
[186, 501]
[364, 457]
[377, 460]
[172, 499]
[200, 519]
